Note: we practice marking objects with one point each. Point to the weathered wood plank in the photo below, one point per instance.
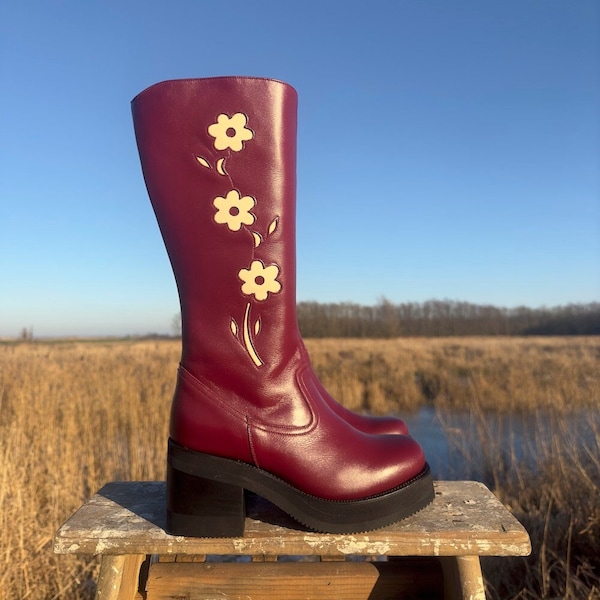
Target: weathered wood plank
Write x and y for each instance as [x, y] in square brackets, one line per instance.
[408, 579]
[128, 518]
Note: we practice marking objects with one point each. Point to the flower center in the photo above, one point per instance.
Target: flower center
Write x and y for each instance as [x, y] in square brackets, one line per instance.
[234, 211]
[259, 280]
[231, 132]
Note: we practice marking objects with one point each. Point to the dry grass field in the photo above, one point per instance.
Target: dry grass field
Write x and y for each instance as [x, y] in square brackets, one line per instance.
[75, 415]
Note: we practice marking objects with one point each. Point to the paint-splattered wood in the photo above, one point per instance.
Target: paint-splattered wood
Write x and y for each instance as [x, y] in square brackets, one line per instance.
[128, 518]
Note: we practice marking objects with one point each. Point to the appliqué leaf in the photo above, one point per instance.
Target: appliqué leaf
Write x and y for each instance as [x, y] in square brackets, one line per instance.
[234, 327]
[273, 225]
[257, 239]
[221, 167]
[203, 162]
[257, 327]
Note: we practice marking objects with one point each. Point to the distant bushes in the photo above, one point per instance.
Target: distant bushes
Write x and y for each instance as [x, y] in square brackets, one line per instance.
[441, 318]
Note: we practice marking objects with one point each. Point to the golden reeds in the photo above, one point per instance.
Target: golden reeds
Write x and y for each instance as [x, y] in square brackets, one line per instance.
[493, 373]
[75, 415]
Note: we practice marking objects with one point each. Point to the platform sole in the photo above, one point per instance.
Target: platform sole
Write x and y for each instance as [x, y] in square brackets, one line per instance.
[205, 498]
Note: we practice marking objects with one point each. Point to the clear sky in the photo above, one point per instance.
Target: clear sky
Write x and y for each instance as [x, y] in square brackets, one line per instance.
[453, 144]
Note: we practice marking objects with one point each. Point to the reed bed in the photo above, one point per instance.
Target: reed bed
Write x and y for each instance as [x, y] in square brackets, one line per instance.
[75, 415]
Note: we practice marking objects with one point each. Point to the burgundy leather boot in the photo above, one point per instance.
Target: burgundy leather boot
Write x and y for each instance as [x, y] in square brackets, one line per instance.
[218, 157]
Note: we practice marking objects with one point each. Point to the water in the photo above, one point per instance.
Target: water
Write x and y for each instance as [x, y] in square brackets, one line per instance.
[466, 445]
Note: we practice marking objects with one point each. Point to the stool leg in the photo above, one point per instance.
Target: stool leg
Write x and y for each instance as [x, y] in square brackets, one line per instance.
[462, 578]
[119, 576]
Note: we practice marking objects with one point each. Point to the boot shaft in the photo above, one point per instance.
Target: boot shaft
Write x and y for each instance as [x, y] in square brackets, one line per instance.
[219, 161]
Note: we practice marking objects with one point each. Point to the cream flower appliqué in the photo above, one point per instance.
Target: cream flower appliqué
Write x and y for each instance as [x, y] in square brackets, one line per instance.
[260, 280]
[234, 210]
[230, 132]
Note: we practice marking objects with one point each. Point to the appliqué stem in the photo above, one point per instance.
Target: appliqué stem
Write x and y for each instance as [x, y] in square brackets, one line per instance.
[248, 340]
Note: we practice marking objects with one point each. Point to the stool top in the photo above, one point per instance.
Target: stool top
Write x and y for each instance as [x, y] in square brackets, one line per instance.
[129, 518]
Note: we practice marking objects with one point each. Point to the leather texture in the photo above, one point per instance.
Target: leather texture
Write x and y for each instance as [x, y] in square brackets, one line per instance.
[246, 389]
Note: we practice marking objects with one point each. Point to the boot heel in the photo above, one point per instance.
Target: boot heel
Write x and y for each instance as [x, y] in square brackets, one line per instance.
[199, 507]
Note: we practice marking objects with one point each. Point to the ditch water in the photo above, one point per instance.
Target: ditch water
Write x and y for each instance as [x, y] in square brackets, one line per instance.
[465, 445]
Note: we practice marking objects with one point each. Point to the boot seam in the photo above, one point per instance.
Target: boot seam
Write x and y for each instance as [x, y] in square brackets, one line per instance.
[251, 444]
[282, 430]
[211, 396]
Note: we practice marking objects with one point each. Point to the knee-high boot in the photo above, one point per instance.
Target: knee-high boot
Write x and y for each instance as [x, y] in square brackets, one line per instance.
[218, 157]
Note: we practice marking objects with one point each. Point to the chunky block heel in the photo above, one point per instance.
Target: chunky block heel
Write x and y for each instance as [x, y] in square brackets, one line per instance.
[199, 507]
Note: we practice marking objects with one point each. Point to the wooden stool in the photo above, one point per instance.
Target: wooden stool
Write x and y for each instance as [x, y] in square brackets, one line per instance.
[433, 554]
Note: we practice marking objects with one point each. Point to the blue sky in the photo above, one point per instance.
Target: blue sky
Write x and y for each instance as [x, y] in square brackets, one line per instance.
[446, 149]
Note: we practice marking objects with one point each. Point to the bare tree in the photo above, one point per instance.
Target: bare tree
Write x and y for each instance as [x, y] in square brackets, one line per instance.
[176, 325]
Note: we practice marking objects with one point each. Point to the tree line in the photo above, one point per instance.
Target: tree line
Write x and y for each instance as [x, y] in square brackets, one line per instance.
[443, 318]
